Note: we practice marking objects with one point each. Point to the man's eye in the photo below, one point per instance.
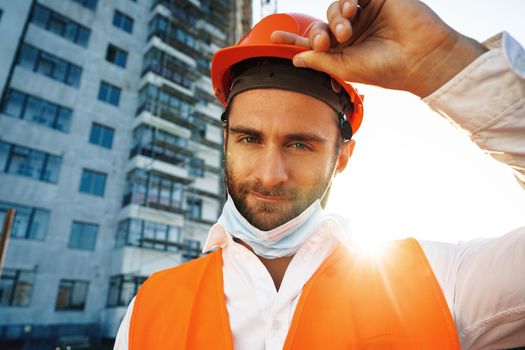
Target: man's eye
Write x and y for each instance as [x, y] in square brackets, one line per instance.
[300, 146]
[248, 139]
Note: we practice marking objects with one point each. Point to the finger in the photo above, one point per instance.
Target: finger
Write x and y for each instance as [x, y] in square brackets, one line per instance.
[337, 64]
[322, 61]
[287, 38]
[320, 37]
[339, 25]
[348, 8]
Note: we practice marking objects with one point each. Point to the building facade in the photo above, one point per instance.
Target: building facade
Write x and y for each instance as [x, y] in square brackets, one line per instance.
[110, 152]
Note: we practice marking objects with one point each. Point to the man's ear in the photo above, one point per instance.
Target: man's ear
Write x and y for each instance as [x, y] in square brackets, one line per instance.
[224, 137]
[347, 148]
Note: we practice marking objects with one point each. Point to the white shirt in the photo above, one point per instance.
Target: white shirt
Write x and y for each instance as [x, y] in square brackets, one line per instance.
[483, 280]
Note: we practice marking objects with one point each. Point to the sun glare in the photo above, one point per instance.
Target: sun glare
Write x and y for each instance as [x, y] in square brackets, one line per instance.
[372, 248]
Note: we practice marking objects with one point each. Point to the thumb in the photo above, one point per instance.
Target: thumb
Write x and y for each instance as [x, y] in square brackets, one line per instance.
[332, 63]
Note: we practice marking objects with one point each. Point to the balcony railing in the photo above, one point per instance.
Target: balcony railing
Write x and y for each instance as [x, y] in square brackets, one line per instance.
[149, 152]
[166, 112]
[176, 43]
[173, 75]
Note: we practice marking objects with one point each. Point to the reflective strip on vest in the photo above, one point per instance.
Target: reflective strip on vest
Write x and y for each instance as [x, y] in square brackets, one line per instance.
[353, 301]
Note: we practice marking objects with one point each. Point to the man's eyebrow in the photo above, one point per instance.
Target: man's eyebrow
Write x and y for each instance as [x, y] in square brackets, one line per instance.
[244, 130]
[305, 137]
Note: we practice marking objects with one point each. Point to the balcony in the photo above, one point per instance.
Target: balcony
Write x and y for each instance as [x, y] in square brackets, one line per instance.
[204, 141]
[166, 112]
[182, 15]
[172, 40]
[200, 220]
[187, 5]
[173, 75]
[152, 189]
[169, 67]
[159, 154]
[127, 199]
[205, 193]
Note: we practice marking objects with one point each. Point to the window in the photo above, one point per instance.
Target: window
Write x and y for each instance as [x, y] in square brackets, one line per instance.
[168, 66]
[192, 249]
[194, 208]
[180, 12]
[161, 27]
[36, 110]
[196, 166]
[204, 64]
[83, 236]
[29, 223]
[199, 129]
[28, 162]
[49, 65]
[116, 56]
[185, 38]
[152, 189]
[161, 145]
[122, 288]
[60, 25]
[148, 234]
[101, 135]
[122, 21]
[72, 295]
[16, 287]
[164, 104]
[109, 93]
[90, 4]
[93, 182]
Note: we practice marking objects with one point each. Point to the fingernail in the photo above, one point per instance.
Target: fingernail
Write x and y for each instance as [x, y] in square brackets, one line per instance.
[317, 40]
[346, 7]
[339, 28]
[298, 62]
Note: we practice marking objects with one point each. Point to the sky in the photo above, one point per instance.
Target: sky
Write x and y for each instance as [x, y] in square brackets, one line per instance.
[412, 173]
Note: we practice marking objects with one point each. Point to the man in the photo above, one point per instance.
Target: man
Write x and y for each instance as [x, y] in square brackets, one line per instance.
[283, 277]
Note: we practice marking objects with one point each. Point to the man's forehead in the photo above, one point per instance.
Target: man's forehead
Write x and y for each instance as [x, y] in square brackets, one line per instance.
[282, 112]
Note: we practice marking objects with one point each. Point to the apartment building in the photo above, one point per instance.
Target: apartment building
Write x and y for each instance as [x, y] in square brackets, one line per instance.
[110, 152]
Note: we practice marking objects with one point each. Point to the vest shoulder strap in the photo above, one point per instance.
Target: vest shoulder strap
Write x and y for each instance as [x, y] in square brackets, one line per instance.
[389, 301]
[182, 308]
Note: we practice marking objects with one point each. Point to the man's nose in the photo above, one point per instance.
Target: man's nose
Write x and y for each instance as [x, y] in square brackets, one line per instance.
[271, 168]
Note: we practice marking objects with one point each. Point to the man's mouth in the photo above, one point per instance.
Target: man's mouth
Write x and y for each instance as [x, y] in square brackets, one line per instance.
[268, 199]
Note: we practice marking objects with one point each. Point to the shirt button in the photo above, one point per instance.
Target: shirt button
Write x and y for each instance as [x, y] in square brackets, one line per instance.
[276, 325]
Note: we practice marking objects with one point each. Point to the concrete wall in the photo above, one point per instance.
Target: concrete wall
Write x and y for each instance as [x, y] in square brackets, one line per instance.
[51, 258]
[11, 28]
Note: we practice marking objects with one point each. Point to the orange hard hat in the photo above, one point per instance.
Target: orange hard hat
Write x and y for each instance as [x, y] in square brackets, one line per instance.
[257, 43]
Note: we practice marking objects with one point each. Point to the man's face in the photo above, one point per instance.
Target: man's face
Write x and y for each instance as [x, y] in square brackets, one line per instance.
[281, 153]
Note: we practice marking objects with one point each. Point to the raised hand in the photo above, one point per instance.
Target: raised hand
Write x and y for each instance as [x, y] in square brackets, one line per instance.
[395, 44]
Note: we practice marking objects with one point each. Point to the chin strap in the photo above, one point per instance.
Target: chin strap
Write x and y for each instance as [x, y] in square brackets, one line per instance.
[344, 125]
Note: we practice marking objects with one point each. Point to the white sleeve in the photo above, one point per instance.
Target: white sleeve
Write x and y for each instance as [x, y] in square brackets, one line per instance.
[484, 284]
[484, 280]
[487, 99]
[121, 342]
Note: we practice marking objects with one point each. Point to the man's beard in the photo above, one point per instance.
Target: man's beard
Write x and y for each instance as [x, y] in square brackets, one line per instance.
[267, 216]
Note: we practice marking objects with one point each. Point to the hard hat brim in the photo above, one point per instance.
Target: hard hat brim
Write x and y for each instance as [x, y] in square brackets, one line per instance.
[225, 58]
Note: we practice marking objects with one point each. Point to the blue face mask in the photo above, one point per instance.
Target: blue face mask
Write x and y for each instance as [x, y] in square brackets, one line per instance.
[284, 240]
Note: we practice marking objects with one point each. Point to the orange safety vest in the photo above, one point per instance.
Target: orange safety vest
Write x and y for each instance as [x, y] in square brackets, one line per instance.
[353, 301]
